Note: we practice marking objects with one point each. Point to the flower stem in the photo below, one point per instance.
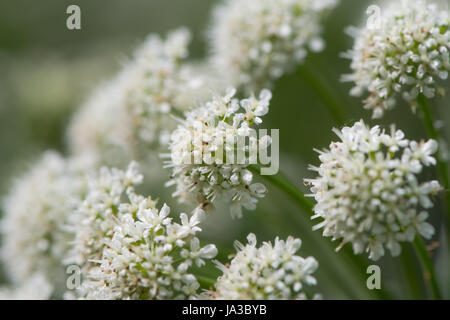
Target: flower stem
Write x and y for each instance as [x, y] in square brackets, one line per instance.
[346, 268]
[324, 92]
[409, 269]
[292, 191]
[428, 268]
[205, 281]
[441, 163]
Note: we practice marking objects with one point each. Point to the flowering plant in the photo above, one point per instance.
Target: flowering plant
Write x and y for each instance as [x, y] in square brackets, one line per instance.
[170, 133]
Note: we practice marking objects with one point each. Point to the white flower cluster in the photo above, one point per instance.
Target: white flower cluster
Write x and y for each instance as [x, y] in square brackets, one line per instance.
[268, 272]
[201, 169]
[131, 249]
[368, 193]
[405, 53]
[95, 214]
[135, 111]
[163, 84]
[256, 41]
[149, 256]
[101, 126]
[36, 212]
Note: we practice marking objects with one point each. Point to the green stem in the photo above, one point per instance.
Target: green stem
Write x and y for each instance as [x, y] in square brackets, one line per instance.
[292, 191]
[325, 92]
[428, 268]
[350, 270]
[409, 271]
[205, 281]
[441, 163]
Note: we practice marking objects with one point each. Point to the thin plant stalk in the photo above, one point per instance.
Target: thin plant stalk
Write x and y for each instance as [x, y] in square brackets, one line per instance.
[325, 92]
[428, 268]
[205, 281]
[409, 271]
[441, 163]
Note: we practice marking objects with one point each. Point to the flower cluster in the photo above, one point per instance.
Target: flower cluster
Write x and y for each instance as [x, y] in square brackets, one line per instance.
[267, 272]
[162, 82]
[204, 142]
[101, 126]
[36, 212]
[405, 53]
[95, 214]
[371, 191]
[256, 41]
[149, 256]
[132, 250]
[368, 193]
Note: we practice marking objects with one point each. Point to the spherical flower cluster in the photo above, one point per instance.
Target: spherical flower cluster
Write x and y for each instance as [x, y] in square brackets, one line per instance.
[101, 126]
[36, 212]
[207, 159]
[404, 53]
[149, 256]
[368, 191]
[134, 112]
[268, 272]
[132, 250]
[163, 85]
[256, 41]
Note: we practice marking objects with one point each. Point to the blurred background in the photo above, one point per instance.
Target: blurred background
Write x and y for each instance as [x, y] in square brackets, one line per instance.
[47, 71]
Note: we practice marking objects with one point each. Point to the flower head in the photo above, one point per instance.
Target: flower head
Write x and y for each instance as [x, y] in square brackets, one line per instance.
[368, 191]
[207, 156]
[101, 126]
[134, 112]
[131, 249]
[94, 215]
[404, 55]
[268, 272]
[164, 85]
[257, 41]
[36, 211]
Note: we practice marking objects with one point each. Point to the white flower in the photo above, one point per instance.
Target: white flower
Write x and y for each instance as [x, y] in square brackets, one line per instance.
[256, 41]
[36, 211]
[201, 148]
[368, 191]
[131, 249]
[406, 55]
[268, 272]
